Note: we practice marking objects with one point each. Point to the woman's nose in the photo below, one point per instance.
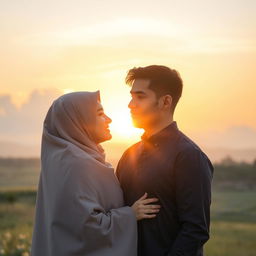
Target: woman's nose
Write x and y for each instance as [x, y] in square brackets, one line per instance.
[108, 119]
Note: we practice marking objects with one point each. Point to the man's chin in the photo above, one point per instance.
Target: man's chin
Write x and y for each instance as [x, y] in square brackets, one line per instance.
[137, 124]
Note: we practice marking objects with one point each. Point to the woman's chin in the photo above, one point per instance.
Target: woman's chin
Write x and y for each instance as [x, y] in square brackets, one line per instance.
[108, 136]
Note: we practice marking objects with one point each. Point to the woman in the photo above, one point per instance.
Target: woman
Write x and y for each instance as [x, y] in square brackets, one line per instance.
[80, 208]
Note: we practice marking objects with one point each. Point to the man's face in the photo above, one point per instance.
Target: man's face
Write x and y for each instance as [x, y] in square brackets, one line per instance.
[143, 106]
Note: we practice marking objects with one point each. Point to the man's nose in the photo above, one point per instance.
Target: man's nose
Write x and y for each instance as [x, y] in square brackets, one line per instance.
[131, 104]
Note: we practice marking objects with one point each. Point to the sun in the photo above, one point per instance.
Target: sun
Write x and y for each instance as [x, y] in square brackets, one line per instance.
[123, 129]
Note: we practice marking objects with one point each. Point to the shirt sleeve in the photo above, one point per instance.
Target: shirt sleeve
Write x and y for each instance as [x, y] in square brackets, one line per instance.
[118, 172]
[193, 176]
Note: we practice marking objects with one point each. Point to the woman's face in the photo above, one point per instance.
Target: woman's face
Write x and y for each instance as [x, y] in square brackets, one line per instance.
[101, 131]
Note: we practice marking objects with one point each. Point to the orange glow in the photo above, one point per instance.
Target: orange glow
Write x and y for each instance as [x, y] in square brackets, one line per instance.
[83, 52]
[122, 127]
[68, 90]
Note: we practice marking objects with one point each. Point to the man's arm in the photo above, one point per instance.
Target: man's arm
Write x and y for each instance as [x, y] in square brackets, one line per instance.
[118, 168]
[121, 163]
[193, 176]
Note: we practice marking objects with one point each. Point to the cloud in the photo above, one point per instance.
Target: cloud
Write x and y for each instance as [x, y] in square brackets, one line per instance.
[24, 124]
[235, 137]
[98, 34]
[141, 32]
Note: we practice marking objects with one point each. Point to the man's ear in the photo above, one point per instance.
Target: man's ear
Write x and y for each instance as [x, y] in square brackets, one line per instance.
[166, 102]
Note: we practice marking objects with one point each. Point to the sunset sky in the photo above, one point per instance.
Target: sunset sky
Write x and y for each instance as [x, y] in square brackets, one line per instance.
[53, 47]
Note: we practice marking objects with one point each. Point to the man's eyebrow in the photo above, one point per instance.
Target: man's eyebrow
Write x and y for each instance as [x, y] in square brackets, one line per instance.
[137, 92]
[100, 109]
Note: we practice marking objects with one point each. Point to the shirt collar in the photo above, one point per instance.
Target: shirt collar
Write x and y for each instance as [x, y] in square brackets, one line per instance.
[157, 138]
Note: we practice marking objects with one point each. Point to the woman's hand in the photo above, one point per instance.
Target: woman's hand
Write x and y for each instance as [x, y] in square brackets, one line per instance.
[143, 209]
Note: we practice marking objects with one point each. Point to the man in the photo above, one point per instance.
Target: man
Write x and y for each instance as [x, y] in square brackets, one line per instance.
[167, 165]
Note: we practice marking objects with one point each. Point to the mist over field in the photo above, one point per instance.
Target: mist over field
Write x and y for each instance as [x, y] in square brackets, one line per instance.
[21, 128]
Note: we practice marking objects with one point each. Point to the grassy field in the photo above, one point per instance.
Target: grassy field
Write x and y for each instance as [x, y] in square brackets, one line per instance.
[233, 213]
[19, 173]
[233, 226]
[16, 222]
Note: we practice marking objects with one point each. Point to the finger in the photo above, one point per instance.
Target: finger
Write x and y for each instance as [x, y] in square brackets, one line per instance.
[147, 211]
[149, 216]
[149, 200]
[150, 206]
[144, 196]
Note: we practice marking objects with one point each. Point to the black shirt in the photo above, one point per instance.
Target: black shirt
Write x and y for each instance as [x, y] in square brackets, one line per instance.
[169, 166]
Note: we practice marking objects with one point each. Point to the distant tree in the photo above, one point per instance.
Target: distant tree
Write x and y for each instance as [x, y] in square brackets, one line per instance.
[228, 161]
[254, 164]
[11, 198]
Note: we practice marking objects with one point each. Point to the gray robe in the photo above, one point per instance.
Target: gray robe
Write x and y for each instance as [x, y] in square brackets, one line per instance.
[80, 209]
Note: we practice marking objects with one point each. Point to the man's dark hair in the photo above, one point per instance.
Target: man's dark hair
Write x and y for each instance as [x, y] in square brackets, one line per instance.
[163, 81]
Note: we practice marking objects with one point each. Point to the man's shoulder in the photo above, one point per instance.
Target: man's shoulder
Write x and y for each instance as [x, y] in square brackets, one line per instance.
[187, 146]
[132, 149]
[188, 149]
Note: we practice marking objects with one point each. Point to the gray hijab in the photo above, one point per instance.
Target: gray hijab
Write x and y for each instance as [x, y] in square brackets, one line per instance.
[80, 209]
